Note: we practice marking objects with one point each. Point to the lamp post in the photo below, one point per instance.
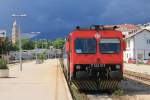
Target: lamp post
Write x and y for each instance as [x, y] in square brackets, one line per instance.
[20, 49]
[35, 44]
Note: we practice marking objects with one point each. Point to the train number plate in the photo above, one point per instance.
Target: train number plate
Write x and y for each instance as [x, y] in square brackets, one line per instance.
[98, 65]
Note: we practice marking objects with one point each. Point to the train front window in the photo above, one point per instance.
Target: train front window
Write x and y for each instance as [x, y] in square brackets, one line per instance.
[109, 45]
[83, 46]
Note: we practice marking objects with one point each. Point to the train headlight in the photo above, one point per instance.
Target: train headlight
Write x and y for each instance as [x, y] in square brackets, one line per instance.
[117, 66]
[78, 67]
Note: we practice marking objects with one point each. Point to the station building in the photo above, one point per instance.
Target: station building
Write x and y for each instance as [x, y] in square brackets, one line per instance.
[137, 46]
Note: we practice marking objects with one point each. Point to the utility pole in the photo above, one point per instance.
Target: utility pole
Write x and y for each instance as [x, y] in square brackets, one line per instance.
[20, 49]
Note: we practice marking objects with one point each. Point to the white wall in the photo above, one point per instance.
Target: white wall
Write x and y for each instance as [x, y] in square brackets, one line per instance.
[141, 45]
[138, 46]
[129, 49]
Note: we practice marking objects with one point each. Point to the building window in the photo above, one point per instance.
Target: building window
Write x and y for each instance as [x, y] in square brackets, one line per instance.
[149, 54]
[148, 41]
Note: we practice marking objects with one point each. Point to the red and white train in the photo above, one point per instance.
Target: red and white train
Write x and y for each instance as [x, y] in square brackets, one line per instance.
[93, 57]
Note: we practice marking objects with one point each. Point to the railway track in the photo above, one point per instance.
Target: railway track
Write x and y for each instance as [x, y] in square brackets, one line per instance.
[139, 77]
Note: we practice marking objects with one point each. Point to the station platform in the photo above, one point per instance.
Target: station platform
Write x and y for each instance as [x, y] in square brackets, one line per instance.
[35, 82]
[140, 68]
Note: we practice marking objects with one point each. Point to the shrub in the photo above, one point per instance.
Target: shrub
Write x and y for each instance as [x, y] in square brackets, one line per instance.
[119, 92]
[3, 64]
[41, 57]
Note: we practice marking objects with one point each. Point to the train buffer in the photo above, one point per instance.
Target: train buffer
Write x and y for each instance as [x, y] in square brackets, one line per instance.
[36, 82]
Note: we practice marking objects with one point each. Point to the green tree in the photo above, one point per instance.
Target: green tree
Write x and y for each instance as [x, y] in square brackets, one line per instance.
[58, 43]
[14, 47]
[6, 46]
[27, 44]
[50, 43]
[44, 44]
[39, 43]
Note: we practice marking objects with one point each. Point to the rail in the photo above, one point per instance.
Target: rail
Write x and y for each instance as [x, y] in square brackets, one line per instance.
[139, 77]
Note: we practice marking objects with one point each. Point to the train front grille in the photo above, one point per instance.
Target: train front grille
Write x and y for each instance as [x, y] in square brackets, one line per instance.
[91, 85]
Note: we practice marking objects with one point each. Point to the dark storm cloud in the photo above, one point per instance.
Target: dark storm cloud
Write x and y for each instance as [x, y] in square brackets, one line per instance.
[60, 16]
[127, 11]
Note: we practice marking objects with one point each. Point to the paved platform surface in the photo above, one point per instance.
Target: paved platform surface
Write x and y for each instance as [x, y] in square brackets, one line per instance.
[138, 68]
[36, 82]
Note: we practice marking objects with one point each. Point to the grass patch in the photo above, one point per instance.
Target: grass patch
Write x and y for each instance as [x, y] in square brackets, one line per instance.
[119, 92]
[77, 95]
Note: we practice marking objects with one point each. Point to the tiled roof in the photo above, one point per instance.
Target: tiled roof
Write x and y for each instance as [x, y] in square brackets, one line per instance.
[135, 33]
[122, 27]
[128, 27]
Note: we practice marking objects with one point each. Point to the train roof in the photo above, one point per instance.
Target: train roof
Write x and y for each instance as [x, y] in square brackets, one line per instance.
[107, 30]
[96, 28]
